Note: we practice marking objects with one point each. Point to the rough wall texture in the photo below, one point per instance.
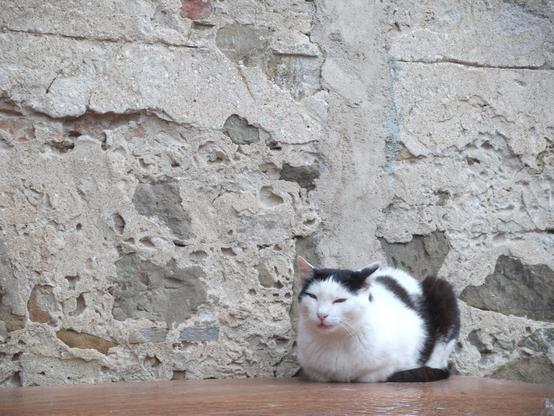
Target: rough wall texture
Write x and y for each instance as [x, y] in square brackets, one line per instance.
[162, 163]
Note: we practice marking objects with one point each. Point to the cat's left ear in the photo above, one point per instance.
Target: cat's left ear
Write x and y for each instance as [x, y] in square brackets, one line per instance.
[305, 269]
[367, 271]
[373, 266]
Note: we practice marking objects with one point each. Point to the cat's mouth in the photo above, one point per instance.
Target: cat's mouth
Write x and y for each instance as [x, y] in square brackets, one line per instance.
[323, 326]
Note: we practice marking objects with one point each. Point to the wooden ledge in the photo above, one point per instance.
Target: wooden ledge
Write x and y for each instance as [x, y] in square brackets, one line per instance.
[456, 396]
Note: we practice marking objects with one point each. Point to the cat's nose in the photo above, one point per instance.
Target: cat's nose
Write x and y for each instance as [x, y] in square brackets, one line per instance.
[322, 316]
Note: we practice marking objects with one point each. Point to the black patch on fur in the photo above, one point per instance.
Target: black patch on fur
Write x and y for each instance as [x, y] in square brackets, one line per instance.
[439, 310]
[419, 375]
[352, 280]
[438, 307]
[401, 293]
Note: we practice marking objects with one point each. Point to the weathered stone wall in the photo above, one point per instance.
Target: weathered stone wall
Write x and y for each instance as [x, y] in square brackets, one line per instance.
[163, 162]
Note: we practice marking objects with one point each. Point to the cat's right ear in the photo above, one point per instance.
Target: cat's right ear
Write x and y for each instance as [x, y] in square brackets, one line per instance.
[305, 269]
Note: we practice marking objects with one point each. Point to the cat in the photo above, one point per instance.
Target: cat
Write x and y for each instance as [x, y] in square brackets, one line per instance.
[375, 324]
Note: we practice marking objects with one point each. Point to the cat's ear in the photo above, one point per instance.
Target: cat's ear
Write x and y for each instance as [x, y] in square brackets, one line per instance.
[371, 268]
[305, 269]
[366, 273]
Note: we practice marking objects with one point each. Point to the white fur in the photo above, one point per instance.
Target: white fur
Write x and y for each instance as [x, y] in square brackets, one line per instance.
[366, 341]
[440, 354]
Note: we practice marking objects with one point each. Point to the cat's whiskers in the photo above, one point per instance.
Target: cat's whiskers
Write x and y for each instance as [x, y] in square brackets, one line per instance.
[347, 330]
[353, 333]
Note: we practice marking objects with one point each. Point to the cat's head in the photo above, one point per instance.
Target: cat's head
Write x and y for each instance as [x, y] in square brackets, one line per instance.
[333, 300]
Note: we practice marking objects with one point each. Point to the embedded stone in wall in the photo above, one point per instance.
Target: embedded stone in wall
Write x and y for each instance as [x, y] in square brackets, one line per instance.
[542, 340]
[400, 154]
[307, 248]
[422, 256]
[196, 9]
[305, 176]
[546, 157]
[74, 339]
[163, 200]
[198, 334]
[41, 302]
[3, 328]
[6, 271]
[475, 338]
[490, 343]
[515, 288]
[148, 335]
[13, 381]
[143, 289]
[533, 370]
[243, 44]
[300, 75]
[11, 321]
[240, 132]
[291, 61]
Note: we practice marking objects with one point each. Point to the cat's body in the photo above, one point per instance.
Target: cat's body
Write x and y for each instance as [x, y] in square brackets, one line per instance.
[376, 324]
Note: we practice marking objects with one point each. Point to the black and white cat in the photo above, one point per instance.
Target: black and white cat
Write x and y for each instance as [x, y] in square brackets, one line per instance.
[375, 324]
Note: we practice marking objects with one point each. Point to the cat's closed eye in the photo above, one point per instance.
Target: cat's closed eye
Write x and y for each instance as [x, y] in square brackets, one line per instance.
[311, 295]
[339, 300]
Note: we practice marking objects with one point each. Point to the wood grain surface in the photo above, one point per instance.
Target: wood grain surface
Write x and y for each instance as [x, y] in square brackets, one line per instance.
[456, 396]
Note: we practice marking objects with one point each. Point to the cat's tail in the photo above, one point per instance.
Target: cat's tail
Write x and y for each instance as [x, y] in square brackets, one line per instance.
[419, 375]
